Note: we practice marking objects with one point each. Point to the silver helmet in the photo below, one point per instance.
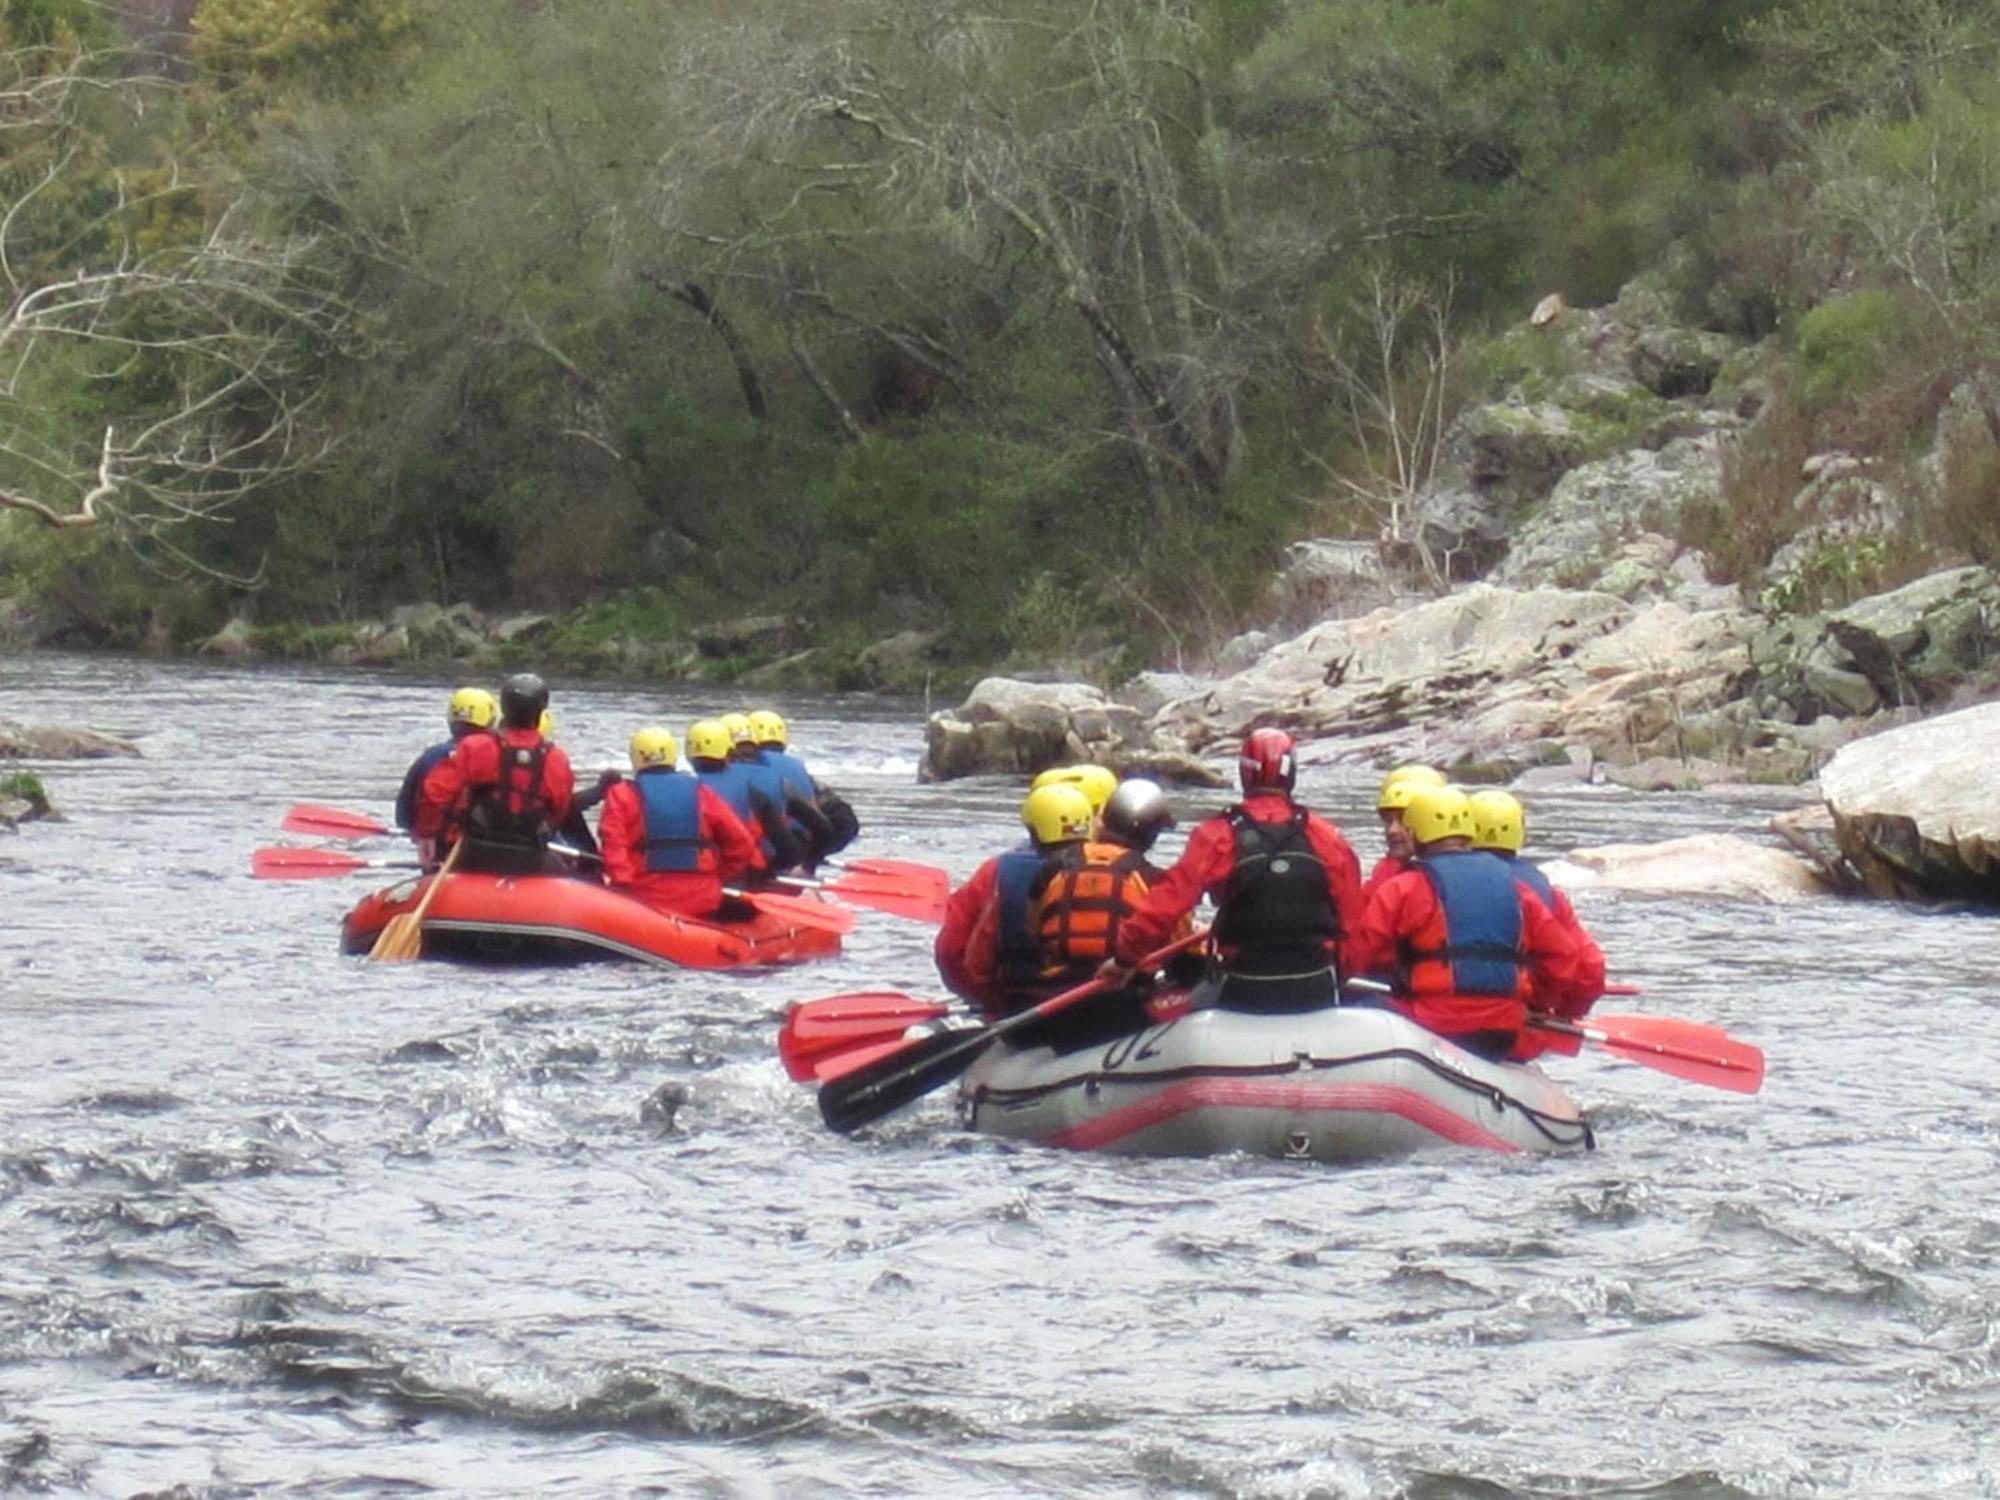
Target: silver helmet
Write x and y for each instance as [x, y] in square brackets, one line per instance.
[1137, 812]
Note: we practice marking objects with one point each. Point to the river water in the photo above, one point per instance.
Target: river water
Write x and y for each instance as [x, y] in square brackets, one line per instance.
[282, 1222]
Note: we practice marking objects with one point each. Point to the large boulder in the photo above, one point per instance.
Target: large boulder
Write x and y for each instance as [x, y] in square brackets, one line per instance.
[54, 742]
[1720, 865]
[1014, 727]
[1914, 808]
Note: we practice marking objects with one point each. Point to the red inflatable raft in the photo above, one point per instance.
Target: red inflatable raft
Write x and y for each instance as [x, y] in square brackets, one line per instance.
[558, 919]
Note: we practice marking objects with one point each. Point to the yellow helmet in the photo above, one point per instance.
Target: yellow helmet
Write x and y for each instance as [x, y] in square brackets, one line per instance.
[1058, 813]
[1438, 812]
[545, 726]
[1097, 783]
[475, 706]
[1404, 783]
[708, 740]
[653, 746]
[738, 726]
[1498, 821]
[767, 728]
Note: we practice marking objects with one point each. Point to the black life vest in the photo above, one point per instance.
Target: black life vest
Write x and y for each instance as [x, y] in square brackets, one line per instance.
[514, 809]
[671, 803]
[1278, 914]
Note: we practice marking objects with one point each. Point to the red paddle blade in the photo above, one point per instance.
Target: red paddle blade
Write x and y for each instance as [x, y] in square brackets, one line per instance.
[302, 864]
[827, 916]
[838, 1024]
[885, 893]
[908, 871]
[839, 1064]
[331, 823]
[1685, 1049]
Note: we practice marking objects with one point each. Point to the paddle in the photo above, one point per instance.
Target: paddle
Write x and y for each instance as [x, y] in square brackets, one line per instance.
[817, 1029]
[1686, 1049]
[880, 893]
[929, 877]
[332, 823]
[316, 864]
[827, 916]
[403, 937]
[907, 1073]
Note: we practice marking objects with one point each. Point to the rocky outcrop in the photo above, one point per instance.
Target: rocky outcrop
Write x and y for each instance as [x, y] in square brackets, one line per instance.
[1918, 646]
[1505, 679]
[1914, 810]
[54, 742]
[1599, 509]
[1717, 865]
[1010, 727]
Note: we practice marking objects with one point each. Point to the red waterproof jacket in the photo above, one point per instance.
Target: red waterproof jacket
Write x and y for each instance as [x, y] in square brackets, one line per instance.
[621, 833]
[473, 765]
[962, 912]
[1387, 868]
[1209, 860]
[1404, 917]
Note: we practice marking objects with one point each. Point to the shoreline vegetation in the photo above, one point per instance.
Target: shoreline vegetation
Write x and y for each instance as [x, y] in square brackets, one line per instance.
[1243, 342]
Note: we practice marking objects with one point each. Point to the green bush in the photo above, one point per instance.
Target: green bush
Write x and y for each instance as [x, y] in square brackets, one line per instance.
[1843, 344]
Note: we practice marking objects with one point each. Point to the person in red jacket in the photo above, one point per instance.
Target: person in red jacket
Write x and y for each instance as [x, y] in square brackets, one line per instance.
[669, 840]
[1398, 787]
[1500, 826]
[1468, 945]
[1286, 885]
[988, 950]
[503, 792]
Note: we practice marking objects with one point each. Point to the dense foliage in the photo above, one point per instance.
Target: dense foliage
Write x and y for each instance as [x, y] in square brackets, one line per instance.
[1030, 320]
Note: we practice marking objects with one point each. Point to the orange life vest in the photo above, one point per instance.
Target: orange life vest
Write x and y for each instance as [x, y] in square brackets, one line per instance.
[1087, 896]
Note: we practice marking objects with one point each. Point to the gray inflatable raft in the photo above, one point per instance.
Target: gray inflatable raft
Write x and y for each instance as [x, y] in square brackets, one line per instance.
[1344, 1084]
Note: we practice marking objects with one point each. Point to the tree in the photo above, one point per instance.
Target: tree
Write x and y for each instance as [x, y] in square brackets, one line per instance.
[154, 357]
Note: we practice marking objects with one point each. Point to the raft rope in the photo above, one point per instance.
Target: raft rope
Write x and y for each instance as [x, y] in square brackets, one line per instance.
[1554, 1128]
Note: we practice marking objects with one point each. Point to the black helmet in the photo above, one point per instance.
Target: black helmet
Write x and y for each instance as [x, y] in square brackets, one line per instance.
[1137, 813]
[522, 699]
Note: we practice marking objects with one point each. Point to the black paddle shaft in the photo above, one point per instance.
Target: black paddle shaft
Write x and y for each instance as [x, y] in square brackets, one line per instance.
[907, 1074]
[867, 1094]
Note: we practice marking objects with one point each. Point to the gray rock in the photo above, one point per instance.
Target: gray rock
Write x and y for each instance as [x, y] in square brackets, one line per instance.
[1328, 580]
[1914, 811]
[235, 639]
[1240, 653]
[1679, 362]
[523, 628]
[55, 742]
[1717, 865]
[1010, 726]
[1151, 691]
[902, 659]
[1485, 675]
[1599, 508]
[762, 635]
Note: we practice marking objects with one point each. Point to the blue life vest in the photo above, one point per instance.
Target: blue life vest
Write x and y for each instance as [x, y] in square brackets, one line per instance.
[1482, 921]
[1527, 872]
[1020, 958]
[413, 782]
[672, 805]
[792, 774]
[731, 781]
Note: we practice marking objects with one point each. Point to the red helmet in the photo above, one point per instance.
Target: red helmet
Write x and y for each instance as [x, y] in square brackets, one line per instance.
[1267, 762]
